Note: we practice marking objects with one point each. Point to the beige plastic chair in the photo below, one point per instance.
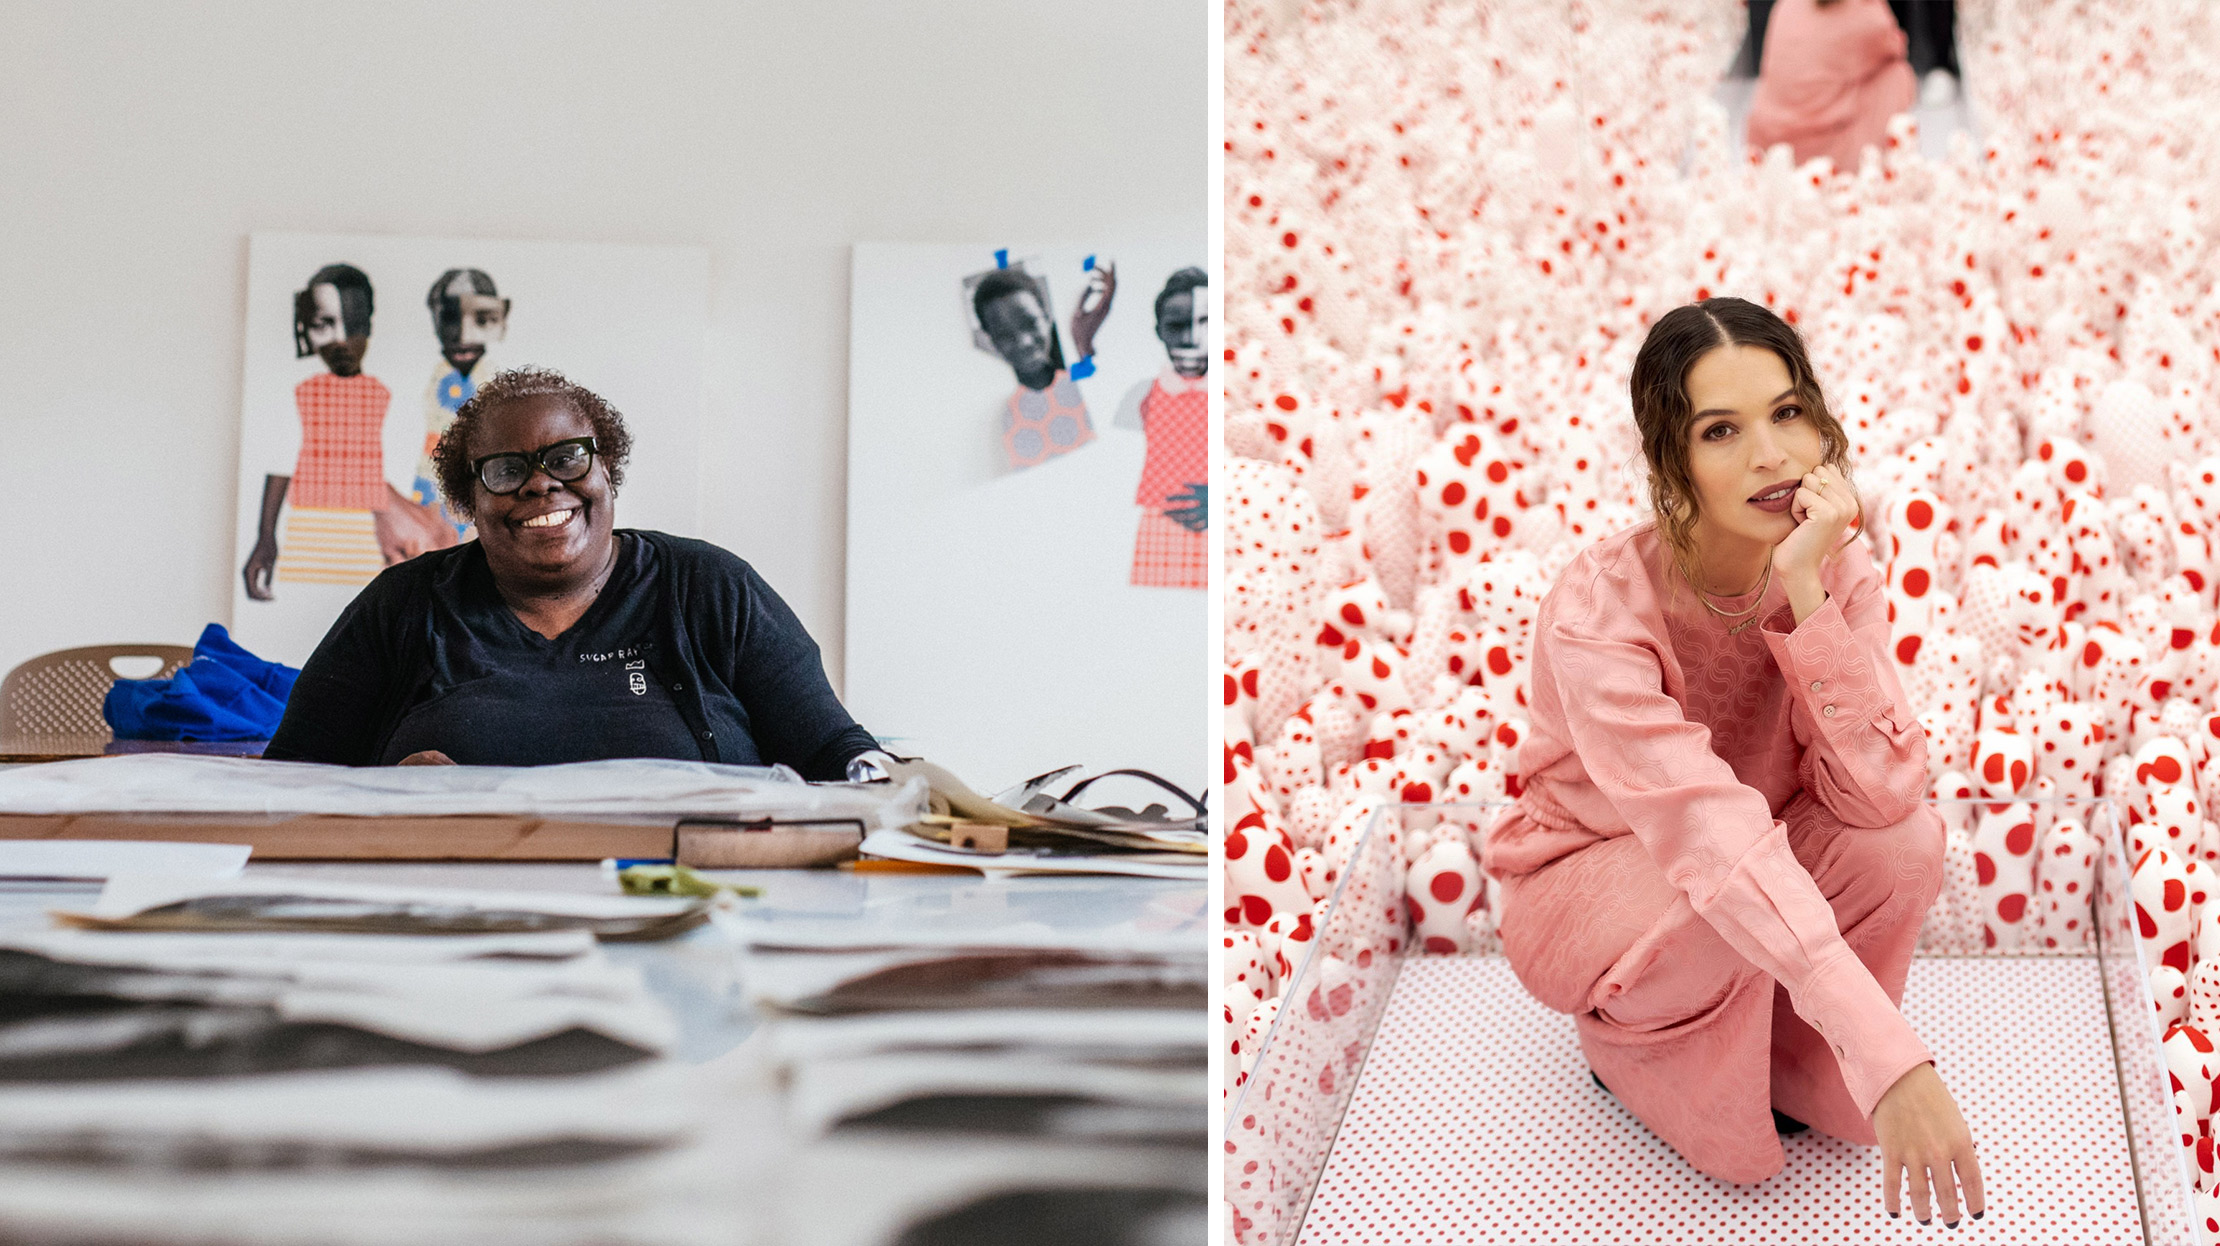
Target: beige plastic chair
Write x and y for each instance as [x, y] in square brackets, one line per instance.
[55, 698]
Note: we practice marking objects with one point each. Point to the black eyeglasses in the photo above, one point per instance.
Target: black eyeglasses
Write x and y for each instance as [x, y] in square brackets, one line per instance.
[565, 460]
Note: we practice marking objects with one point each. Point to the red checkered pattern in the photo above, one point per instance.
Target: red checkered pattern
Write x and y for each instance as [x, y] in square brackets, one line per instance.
[342, 463]
[1166, 555]
[1177, 424]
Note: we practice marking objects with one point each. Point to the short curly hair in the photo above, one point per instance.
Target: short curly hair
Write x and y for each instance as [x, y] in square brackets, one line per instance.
[451, 457]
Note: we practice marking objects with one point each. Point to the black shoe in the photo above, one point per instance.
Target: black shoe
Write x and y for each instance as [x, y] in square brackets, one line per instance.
[1787, 1124]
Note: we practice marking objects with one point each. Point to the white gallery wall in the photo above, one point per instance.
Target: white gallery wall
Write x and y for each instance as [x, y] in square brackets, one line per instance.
[141, 143]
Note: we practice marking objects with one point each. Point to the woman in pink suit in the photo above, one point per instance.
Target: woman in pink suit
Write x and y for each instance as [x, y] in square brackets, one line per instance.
[1720, 858]
[1832, 74]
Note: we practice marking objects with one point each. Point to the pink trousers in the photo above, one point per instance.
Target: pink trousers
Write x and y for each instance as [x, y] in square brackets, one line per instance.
[1693, 1039]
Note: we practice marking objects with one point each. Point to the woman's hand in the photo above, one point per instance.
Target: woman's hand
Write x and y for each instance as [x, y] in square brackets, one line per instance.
[1823, 507]
[405, 530]
[429, 757]
[1923, 1135]
[1094, 307]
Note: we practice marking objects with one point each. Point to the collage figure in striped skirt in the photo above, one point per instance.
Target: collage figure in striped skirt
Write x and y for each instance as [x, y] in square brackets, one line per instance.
[345, 522]
[1172, 409]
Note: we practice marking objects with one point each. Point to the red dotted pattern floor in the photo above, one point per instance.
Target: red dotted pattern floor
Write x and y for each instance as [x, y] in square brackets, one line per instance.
[1474, 1120]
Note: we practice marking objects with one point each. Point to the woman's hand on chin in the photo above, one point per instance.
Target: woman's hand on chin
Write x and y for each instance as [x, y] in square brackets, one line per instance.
[1822, 515]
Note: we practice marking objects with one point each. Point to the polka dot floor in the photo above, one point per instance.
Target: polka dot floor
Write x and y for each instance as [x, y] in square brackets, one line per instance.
[1474, 1120]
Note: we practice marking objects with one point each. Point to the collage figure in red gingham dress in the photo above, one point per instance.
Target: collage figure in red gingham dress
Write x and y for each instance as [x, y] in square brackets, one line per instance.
[1172, 548]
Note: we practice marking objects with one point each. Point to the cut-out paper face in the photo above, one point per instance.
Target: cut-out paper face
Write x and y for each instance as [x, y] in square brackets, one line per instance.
[331, 318]
[1020, 329]
[1183, 324]
[469, 315]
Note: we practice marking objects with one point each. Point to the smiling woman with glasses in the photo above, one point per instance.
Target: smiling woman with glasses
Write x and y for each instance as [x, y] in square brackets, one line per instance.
[556, 636]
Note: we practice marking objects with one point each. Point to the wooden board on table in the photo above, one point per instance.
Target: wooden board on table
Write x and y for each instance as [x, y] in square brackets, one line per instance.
[337, 837]
[24, 749]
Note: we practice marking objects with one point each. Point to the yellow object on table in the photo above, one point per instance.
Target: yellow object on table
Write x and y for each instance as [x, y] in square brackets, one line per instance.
[676, 880]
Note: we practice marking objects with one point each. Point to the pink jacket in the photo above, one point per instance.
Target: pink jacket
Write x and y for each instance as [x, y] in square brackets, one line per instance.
[1831, 78]
[1648, 719]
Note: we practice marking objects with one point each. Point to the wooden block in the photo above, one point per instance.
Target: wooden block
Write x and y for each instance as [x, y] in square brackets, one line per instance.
[979, 836]
[732, 848]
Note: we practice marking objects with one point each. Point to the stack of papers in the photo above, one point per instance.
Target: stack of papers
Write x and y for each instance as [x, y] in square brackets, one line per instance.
[629, 788]
[278, 1060]
[1045, 835]
[989, 1042]
[518, 985]
[993, 1027]
[155, 902]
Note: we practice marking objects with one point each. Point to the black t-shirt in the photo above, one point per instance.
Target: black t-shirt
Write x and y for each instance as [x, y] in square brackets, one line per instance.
[503, 695]
[686, 653]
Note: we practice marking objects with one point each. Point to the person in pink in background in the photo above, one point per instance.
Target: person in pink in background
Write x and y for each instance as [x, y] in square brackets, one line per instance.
[1832, 74]
[1720, 856]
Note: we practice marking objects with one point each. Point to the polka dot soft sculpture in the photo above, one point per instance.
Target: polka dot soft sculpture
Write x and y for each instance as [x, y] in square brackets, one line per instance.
[1448, 227]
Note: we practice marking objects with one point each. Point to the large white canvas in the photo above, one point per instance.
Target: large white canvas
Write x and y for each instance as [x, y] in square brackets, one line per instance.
[991, 624]
[625, 321]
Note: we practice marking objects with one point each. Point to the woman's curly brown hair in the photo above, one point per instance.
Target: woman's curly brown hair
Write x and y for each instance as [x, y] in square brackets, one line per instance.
[451, 457]
[1663, 413]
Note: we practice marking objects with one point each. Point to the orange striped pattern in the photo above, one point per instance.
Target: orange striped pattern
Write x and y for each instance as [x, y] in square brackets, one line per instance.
[327, 545]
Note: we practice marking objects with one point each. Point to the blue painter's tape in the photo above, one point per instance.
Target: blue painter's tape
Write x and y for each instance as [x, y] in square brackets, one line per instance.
[1083, 369]
[1002, 259]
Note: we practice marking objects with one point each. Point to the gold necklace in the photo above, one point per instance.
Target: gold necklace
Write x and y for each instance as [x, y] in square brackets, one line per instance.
[1703, 595]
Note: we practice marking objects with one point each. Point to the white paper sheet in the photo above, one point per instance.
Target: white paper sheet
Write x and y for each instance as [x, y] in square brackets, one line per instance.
[129, 894]
[826, 1091]
[424, 1111]
[900, 845]
[1138, 1032]
[103, 858]
[242, 952]
[634, 787]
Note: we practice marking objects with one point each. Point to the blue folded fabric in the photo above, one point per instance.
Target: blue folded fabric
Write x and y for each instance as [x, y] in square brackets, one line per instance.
[224, 693]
